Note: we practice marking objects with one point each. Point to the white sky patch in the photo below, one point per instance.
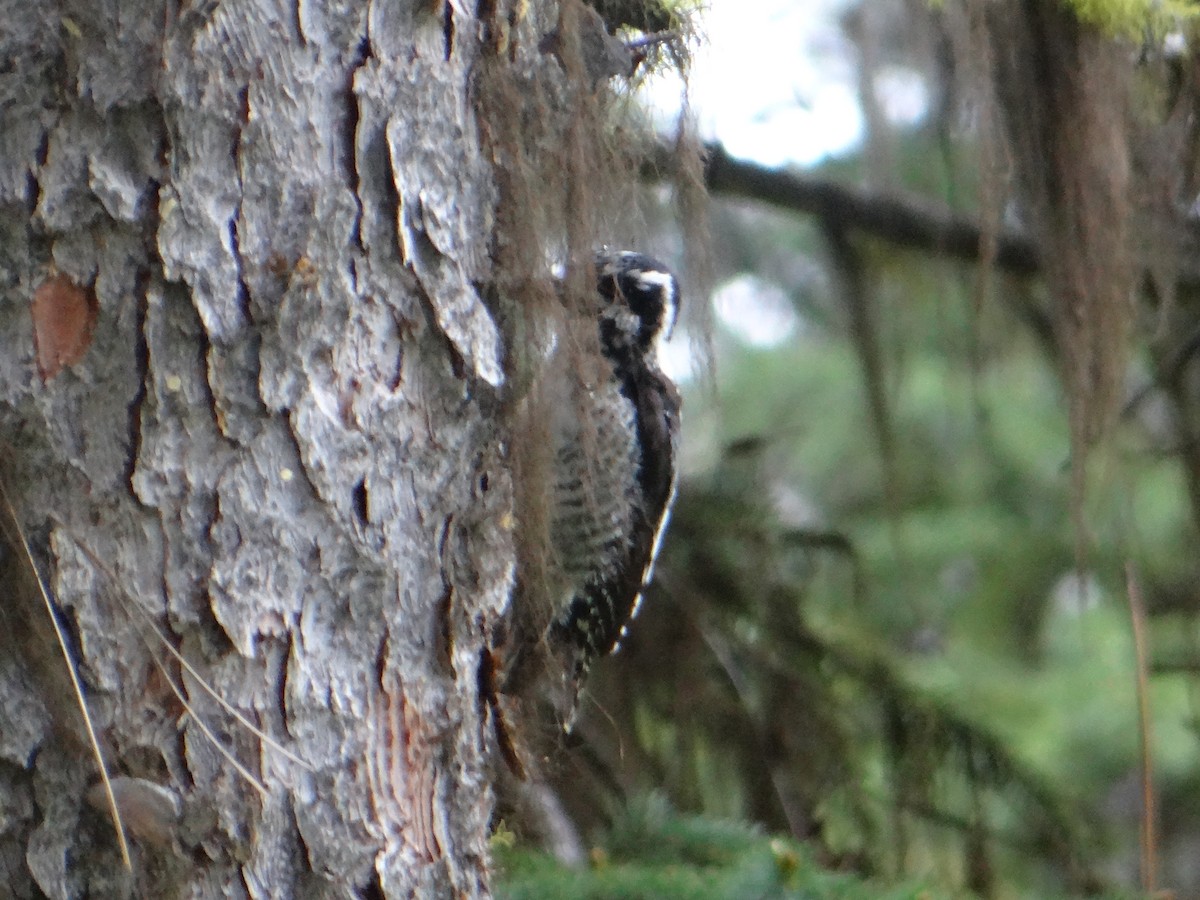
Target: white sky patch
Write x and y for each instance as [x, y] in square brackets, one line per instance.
[757, 312]
[903, 95]
[827, 124]
[679, 357]
[771, 81]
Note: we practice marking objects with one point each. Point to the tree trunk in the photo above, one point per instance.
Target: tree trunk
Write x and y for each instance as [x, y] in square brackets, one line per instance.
[249, 400]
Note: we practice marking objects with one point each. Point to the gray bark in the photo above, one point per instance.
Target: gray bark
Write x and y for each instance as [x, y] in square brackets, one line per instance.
[281, 441]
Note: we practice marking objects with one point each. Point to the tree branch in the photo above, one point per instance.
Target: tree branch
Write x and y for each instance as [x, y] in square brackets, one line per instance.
[904, 221]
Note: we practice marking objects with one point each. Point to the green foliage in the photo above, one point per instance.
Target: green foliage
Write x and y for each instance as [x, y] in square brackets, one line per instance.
[1133, 18]
[871, 627]
[908, 678]
[653, 853]
[797, 698]
[648, 16]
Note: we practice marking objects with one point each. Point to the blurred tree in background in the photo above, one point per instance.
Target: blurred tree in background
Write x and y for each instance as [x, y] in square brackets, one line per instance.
[952, 426]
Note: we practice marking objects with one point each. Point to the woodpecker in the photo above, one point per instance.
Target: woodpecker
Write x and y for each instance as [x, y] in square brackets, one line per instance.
[615, 449]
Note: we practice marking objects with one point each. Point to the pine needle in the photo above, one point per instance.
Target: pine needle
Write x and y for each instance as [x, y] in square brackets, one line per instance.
[186, 666]
[208, 733]
[18, 536]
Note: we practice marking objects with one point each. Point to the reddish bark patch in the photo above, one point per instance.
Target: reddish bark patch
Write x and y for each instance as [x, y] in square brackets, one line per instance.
[64, 317]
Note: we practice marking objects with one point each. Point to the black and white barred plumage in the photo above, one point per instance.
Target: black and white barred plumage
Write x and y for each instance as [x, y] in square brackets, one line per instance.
[615, 464]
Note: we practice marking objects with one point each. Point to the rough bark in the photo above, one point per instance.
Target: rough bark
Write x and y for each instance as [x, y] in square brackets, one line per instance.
[280, 435]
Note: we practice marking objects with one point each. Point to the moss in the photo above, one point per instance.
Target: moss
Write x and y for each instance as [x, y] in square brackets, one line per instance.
[1132, 18]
